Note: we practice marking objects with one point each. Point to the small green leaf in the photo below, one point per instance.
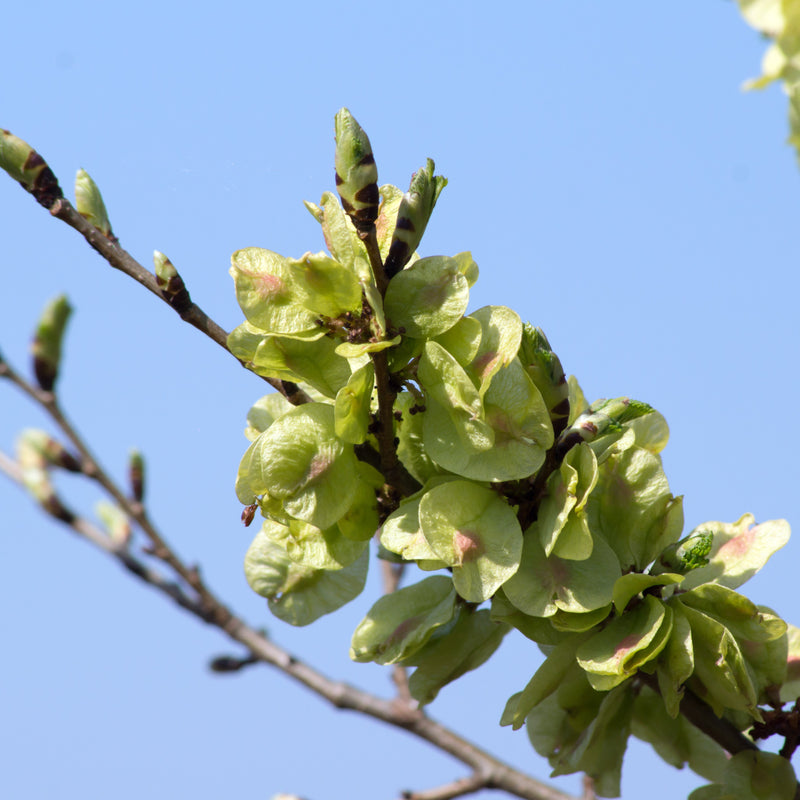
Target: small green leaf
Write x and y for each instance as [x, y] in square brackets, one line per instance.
[544, 369]
[452, 423]
[468, 267]
[578, 623]
[399, 624]
[740, 550]
[689, 553]
[502, 437]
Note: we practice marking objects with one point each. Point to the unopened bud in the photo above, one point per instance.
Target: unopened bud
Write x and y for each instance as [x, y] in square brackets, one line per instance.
[25, 165]
[34, 443]
[544, 369]
[37, 482]
[685, 555]
[169, 281]
[89, 203]
[115, 521]
[412, 217]
[136, 475]
[356, 173]
[46, 346]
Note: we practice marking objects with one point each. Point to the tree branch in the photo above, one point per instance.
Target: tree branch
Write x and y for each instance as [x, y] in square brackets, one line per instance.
[189, 312]
[208, 608]
[458, 788]
[700, 714]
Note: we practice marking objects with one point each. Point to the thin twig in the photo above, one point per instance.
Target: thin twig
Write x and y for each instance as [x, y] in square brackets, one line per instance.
[370, 239]
[120, 259]
[134, 509]
[588, 788]
[87, 530]
[700, 714]
[458, 788]
[212, 611]
[339, 694]
[385, 432]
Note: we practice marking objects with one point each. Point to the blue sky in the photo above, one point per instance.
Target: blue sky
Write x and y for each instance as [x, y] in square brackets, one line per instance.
[616, 188]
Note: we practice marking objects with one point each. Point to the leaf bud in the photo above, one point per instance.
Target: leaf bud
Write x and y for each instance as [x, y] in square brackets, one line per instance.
[356, 173]
[169, 281]
[544, 369]
[27, 167]
[412, 216]
[687, 554]
[89, 203]
[37, 482]
[136, 475]
[46, 346]
[35, 445]
[603, 416]
[115, 521]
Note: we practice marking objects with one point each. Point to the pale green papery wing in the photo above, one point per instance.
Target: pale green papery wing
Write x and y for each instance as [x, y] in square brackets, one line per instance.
[474, 531]
[299, 595]
[399, 624]
[427, 298]
[300, 461]
[264, 291]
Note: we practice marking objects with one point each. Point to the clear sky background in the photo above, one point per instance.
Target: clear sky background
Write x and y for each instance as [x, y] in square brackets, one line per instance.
[616, 188]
